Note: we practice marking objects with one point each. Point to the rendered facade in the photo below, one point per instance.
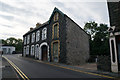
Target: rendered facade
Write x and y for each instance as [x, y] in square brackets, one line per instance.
[59, 39]
[8, 49]
[114, 40]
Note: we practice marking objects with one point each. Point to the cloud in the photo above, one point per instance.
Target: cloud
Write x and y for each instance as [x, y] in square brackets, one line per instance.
[85, 11]
[14, 10]
[7, 26]
[7, 17]
[17, 16]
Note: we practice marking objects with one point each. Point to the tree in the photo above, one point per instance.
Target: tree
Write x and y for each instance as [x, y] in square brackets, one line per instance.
[4, 41]
[11, 41]
[99, 43]
[91, 28]
[17, 43]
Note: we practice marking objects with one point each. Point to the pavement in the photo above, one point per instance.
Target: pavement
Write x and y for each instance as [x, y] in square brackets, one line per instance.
[90, 67]
[6, 70]
[31, 68]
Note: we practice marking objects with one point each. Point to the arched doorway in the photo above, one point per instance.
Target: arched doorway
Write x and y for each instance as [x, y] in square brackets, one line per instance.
[55, 51]
[44, 53]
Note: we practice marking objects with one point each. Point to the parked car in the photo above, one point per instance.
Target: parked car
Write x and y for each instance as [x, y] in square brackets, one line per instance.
[14, 52]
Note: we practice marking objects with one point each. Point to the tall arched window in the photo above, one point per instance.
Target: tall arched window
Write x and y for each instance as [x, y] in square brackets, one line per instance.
[27, 50]
[37, 35]
[37, 51]
[32, 50]
[24, 40]
[28, 39]
[33, 37]
[56, 16]
[24, 52]
[44, 33]
[55, 31]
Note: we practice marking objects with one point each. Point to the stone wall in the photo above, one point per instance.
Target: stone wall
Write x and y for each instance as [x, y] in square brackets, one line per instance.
[104, 63]
[77, 43]
[62, 37]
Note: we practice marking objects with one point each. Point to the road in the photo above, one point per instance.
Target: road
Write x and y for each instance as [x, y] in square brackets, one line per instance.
[34, 69]
[0, 67]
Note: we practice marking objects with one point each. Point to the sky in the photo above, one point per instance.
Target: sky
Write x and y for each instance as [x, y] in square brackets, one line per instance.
[17, 16]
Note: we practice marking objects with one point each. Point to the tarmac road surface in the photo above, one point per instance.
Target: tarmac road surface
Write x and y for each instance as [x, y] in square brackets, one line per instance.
[33, 69]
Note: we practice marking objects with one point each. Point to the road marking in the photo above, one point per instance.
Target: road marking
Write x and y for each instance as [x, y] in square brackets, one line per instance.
[72, 69]
[17, 69]
[75, 70]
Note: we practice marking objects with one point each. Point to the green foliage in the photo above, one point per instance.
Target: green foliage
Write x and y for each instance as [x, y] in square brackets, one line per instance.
[17, 43]
[99, 43]
[90, 28]
[4, 41]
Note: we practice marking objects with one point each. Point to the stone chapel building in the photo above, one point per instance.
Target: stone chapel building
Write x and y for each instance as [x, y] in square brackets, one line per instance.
[59, 39]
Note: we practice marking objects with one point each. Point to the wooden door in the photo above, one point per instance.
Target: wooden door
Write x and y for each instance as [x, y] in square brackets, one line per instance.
[55, 52]
[44, 53]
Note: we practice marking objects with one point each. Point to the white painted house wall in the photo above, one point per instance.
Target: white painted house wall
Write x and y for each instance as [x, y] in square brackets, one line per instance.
[8, 49]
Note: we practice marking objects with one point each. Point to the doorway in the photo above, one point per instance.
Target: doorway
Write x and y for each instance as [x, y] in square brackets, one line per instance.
[55, 52]
[44, 53]
[9, 52]
[4, 50]
[118, 56]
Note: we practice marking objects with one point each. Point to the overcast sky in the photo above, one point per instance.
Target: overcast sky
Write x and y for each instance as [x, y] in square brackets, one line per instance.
[17, 16]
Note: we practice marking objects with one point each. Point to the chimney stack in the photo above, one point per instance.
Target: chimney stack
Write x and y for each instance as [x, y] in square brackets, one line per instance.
[31, 29]
[38, 24]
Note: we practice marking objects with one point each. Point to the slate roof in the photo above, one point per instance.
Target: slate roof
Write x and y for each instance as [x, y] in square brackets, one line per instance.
[47, 22]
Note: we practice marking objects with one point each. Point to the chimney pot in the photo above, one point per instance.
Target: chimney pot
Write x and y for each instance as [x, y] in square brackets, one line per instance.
[31, 28]
[38, 24]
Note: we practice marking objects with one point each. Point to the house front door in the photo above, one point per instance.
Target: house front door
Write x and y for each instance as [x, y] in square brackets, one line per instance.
[44, 53]
[55, 52]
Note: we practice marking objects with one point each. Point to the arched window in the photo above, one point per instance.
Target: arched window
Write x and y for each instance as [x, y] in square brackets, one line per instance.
[28, 39]
[55, 31]
[32, 50]
[56, 16]
[37, 51]
[24, 40]
[24, 52]
[33, 37]
[27, 50]
[37, 35]
[44, 33]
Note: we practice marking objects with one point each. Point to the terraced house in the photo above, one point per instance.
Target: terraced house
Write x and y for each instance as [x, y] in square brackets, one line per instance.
[59, 39]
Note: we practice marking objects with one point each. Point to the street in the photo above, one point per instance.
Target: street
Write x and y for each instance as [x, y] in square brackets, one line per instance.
[35, 69]
[0, 67]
